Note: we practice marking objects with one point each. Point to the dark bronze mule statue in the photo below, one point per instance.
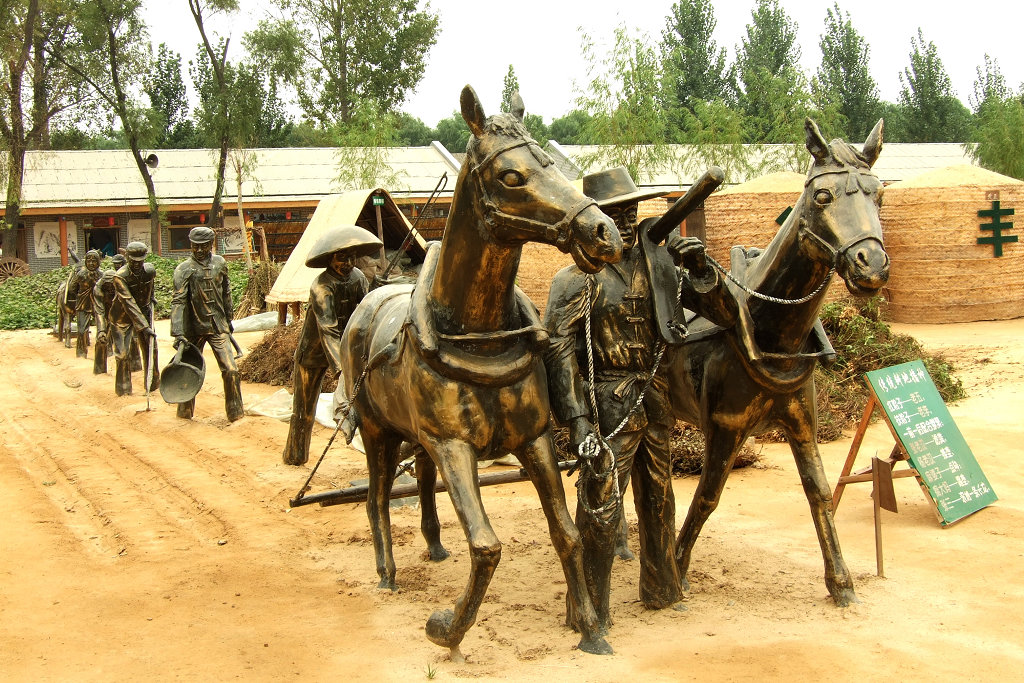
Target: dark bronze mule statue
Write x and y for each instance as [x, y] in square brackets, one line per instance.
[733, 383]
[455, 364]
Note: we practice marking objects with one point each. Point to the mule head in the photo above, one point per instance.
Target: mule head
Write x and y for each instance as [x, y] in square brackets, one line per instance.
[840, 206]
[522, 195]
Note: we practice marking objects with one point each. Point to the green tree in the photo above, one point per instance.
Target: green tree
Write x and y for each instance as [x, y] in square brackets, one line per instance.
[453, 133]
[623, 100]
[18, 26]
[694, 66]
[511, 87]
[339, 54]
[215, 93]
[999, 145]
[714, 133]
[168, 98]
[568, 129]
[934, 114]
[117, 57]
[844, 79]
[412, 132]
[362, 156]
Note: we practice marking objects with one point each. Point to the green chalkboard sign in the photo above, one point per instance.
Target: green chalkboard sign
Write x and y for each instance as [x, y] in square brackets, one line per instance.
[932, 441]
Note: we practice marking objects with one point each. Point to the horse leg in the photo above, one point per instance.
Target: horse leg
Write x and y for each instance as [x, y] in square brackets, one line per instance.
[430, 527]
[381, 460]
[799, 421]
[723, 444]
[538, 459]
[456, 462]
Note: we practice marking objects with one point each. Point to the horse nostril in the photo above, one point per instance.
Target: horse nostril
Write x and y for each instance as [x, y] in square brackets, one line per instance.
[602, 233]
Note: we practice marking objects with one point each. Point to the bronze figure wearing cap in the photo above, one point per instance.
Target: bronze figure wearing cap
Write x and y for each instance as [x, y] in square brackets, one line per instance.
[131, 317]
[83, 281]
[333, 296]
[201, 313]
[615, 311]
[103, 296]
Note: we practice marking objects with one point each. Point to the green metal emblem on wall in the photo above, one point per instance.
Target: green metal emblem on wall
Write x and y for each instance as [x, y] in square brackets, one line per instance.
[997, 238]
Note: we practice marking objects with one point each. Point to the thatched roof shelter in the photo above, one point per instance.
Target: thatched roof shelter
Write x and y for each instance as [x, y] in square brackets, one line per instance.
[355, 207]
[940, 273]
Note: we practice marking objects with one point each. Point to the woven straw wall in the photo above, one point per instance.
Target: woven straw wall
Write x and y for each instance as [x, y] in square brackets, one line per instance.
[744, 215]
[540, 262]
[939, 273]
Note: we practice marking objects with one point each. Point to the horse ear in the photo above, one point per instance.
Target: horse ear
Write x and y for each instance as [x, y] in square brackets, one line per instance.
[873, 145]
[816, 144]
[472, 111]
[518, 108]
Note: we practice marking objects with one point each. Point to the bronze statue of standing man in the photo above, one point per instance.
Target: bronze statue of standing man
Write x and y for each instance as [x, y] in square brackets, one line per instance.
[131, 318]
[83, 281]
[201, 313]
[333, 296]
[627, 308]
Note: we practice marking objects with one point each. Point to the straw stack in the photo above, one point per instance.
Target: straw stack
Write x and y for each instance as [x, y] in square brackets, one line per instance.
[744, 215]
[939, 272]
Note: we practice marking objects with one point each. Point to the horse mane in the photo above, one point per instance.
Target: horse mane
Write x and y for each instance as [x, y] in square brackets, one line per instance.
[508, 126]
[845, 154]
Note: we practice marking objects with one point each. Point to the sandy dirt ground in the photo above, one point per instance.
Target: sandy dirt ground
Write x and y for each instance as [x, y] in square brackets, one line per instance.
[136, 546]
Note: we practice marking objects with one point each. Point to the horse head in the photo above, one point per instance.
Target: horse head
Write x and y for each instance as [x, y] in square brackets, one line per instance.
[841, 200]
[524, 197]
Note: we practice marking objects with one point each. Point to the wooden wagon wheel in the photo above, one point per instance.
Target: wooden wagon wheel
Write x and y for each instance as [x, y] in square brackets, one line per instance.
[12, 267]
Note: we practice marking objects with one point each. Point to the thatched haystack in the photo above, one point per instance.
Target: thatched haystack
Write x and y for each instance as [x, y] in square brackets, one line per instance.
[745, 214]
[939, 272]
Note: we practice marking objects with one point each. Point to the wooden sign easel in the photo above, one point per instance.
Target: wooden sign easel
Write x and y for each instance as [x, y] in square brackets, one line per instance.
[897, 455]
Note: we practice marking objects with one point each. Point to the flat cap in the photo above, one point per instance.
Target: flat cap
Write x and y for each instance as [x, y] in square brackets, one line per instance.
[200, 235]
[351, 238]
[136, 251]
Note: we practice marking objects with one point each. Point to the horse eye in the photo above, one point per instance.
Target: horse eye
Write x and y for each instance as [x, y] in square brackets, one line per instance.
[823, 197]
[513, 179]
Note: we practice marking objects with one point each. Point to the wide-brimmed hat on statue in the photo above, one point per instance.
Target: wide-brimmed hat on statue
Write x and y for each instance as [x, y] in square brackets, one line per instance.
[349, 238]
[614, 186]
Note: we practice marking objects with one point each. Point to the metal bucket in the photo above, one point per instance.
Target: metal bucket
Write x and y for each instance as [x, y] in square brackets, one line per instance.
[183, 377]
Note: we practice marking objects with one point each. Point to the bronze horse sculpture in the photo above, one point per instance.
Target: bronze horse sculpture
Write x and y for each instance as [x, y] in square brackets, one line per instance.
[454, 364]
[733, 383]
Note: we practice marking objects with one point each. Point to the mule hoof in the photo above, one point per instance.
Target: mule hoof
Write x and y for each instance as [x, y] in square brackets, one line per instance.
[388, 584]
[455, 654]
[595, 646]
[439, 629]
[438, 553]
[684, 584]
[624, 553]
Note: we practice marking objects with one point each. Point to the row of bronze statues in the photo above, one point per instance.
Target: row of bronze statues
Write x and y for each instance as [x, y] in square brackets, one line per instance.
[121, 303]
[644, 329]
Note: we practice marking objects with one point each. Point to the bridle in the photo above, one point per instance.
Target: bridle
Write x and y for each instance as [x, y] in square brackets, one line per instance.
[506, 226]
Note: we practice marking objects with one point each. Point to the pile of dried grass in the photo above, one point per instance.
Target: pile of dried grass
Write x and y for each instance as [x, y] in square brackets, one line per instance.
[254, 296]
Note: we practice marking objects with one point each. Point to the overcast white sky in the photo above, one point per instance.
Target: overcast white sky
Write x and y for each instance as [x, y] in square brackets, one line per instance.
[541, 39]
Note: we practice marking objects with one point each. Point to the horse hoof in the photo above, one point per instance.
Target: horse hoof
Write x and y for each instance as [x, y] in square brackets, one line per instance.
[844, 597]
[455, 654]
[624, 553]
[595, 646]
[388, 584]
[684, 584]
[439, 629]
[438, 553]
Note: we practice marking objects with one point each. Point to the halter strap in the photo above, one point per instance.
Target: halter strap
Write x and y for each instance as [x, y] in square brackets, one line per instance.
[507, 226]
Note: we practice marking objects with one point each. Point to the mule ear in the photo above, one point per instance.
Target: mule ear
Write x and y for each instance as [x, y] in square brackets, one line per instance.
[518, 108]
[816, 144]
[472, 111]
[873, 145]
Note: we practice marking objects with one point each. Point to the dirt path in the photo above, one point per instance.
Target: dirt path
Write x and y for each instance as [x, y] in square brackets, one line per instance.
[134, 545]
